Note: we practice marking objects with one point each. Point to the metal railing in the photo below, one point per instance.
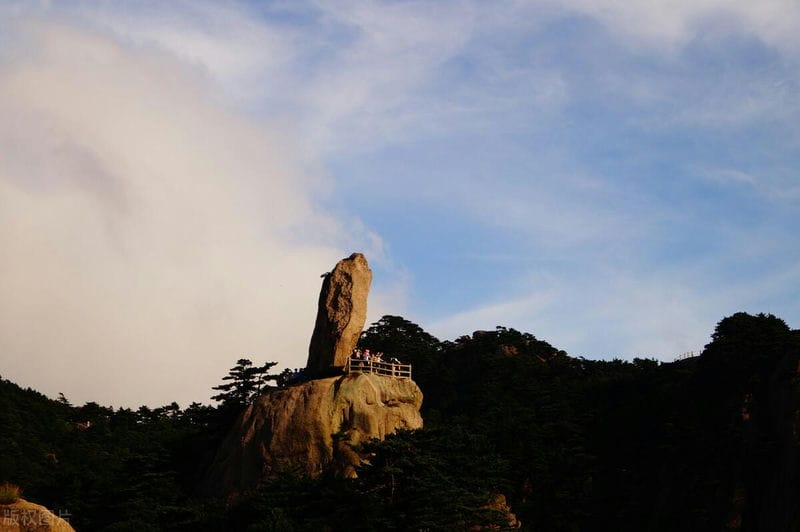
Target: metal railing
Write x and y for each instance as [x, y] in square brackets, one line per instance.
[688, 354]
[378, 367]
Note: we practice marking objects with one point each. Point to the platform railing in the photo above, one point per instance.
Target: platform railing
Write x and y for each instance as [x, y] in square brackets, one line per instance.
[378, 367]
[688, 354]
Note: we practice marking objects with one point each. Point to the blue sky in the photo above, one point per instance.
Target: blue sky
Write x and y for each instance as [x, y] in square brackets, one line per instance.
[613, 177]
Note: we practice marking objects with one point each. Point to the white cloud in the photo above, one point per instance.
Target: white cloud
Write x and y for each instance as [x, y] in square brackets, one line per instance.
[150, 236]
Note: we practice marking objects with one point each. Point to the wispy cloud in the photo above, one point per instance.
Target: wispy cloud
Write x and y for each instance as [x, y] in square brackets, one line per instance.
[776, 187]
[671, 24]
[605, 314]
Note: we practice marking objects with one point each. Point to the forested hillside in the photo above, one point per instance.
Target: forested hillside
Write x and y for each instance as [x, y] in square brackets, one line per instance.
[707, 443]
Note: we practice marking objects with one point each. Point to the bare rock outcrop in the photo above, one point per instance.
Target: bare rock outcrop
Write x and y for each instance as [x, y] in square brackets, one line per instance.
[315, 425]
[24, 516]
[341, 314]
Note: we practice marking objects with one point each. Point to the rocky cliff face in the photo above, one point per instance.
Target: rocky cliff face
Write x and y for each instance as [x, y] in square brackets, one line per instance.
[341, 314]
[315, 425]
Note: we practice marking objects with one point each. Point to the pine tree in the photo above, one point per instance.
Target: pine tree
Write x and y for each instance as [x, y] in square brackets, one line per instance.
[246, 383]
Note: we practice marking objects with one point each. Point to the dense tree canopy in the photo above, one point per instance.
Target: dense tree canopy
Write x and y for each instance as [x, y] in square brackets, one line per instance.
[706, 443]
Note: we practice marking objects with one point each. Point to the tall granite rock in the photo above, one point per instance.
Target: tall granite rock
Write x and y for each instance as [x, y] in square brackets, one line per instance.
[341, 314]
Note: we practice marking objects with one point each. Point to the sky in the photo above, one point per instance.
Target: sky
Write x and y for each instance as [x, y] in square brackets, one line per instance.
[612, 177]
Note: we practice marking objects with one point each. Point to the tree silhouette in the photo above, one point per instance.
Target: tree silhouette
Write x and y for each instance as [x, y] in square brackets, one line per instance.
[246, 382]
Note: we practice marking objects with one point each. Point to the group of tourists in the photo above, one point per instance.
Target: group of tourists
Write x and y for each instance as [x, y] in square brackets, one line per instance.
[366, 356]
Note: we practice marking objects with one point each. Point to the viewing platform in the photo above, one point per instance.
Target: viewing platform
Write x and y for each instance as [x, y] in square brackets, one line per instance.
[378, 367]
